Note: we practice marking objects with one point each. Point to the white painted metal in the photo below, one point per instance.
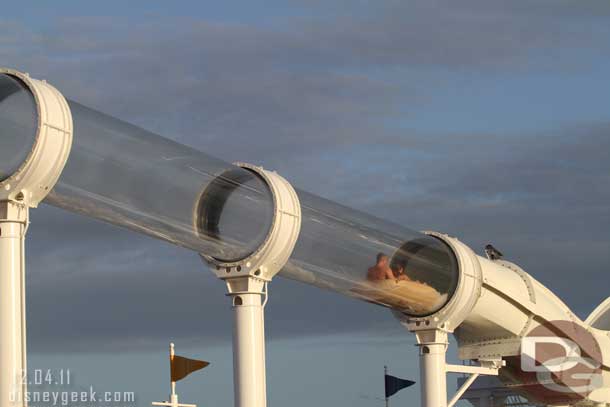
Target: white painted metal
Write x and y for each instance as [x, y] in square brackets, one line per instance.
[432, 349]
[487, 367]
[495, 305]
[466, 294]
[248, 342]
[273, 254]
[20, 191]
[463, 389]
[600, 317]
[32, 182]
[247, 285]
[13, 225]
[173, 402]
[173, 397]
[433, 368]
[511, 305]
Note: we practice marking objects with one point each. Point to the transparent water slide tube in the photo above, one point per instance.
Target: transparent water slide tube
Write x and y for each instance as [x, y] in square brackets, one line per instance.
[127, 176]
[339, 248]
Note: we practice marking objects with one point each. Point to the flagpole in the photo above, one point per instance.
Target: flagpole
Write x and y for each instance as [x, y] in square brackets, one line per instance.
[173, 397]
[385, 373]
[185, 366]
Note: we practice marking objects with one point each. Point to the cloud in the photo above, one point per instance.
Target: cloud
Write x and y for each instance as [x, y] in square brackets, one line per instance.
[542, 198]
[319, 100]
[305, 83]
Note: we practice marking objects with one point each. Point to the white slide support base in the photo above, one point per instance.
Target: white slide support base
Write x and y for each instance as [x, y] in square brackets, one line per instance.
[247, 280]
[13, 226]
[433, 367]
[249, 376]
[432, 350]
[25, 189]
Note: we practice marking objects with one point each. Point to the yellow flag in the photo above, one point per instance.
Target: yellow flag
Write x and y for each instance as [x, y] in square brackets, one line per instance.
[182, 367]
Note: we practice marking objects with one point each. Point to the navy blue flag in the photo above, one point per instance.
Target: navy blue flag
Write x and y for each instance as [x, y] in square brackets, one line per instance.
[395, 384]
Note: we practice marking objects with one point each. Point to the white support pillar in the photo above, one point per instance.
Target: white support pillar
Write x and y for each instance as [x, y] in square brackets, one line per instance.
[249, 377]
[247, 279]
[25, 189]
[432, 349]
[433, 368]
[13, 227]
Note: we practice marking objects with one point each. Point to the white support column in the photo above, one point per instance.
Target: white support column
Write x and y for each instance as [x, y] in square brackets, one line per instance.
[13, 226]
[247, 279]
[248, 341]
[432, 349]
[25, 189]
[433, 368]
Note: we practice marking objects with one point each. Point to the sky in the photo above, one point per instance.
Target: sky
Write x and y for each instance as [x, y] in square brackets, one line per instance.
[484, 119]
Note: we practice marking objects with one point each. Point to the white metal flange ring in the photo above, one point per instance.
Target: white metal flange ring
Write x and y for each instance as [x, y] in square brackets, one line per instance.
[39, 172]
[467, 292]
[271, 256]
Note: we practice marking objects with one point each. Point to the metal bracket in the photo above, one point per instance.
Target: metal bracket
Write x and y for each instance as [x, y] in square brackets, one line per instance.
[274, 252]
[433, 369]
[487, 367]
[37, 175]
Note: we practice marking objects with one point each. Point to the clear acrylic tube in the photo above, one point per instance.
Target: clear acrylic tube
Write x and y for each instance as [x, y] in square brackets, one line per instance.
[130, 177]
[362, 256]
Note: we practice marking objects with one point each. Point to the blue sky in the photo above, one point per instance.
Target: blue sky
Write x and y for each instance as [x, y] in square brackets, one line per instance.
[488, 120]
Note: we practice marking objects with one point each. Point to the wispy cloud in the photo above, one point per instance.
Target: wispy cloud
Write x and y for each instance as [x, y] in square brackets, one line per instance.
[324, 101]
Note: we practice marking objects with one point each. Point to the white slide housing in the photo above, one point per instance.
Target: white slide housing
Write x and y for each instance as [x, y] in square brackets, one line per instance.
[600, 317]
[497, 306]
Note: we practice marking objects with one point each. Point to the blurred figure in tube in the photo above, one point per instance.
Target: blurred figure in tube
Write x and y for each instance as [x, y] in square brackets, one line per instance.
[381, 270]
[398, 271]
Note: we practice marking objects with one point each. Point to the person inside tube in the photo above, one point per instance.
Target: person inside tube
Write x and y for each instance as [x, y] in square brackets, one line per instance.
[398, 271]
[381, 270]
[392, 287]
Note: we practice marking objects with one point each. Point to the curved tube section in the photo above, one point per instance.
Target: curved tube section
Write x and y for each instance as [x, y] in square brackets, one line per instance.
[512, 311]
[130, 177]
